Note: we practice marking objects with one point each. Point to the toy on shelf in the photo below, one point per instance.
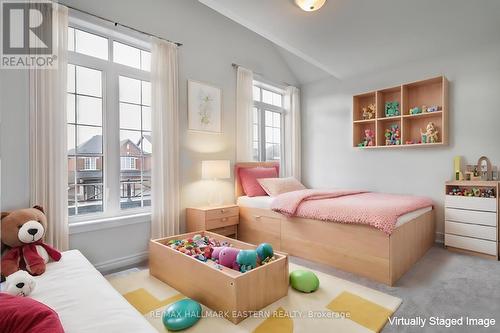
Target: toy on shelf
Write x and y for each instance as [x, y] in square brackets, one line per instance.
[424, 108]
[392, 109]
[369, 139]
[392, 136]
[434, 108]
[369, 112]
[473, 192]
[431, 134]
[457, 163]
[415, 110]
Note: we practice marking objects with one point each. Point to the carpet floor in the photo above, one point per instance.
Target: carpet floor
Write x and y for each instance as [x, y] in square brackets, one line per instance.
[442, 284]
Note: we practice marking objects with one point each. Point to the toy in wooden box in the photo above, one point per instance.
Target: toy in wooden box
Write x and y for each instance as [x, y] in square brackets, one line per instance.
[233, 294]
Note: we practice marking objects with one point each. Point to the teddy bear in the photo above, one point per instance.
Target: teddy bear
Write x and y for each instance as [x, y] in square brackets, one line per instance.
[22, 234]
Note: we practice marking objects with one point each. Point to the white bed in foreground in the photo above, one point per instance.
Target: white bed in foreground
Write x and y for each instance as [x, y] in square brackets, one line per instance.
[84, 299]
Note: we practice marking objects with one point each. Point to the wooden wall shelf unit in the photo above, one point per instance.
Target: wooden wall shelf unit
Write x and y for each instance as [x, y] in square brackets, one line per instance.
[430, 92]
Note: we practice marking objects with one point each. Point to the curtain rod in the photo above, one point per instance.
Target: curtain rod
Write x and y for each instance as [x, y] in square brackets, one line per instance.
[263, 76]
[122, 25]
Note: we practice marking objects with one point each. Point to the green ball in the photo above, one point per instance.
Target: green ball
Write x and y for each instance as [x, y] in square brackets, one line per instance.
[305, 281]
[181, 315]
[264, 251]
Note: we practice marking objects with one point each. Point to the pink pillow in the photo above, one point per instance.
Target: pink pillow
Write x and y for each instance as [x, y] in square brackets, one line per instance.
[277, 186]
[23, 315]
[249, 176]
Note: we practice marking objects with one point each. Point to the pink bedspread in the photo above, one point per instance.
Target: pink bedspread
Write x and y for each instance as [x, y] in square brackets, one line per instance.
[349, 206]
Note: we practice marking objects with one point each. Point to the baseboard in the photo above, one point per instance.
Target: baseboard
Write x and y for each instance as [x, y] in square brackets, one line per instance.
[114, 264]
[439, 237]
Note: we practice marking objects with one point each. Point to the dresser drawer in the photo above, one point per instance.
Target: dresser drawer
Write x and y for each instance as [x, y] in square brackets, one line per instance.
[471, 230]
[471, 216]
[221, 213]
[485, 204]
[471, 244]
[221, 222]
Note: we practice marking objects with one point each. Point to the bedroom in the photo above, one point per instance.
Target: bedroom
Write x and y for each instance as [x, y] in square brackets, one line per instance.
[308, 74]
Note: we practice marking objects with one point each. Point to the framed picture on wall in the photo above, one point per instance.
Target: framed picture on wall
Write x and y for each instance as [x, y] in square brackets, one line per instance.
[204, 107]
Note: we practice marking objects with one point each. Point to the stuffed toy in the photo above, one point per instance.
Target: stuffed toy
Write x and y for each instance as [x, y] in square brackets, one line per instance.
[22, 234]
[19, 283]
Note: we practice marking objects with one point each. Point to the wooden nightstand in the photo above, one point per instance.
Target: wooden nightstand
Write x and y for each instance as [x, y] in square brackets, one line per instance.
[222, 219]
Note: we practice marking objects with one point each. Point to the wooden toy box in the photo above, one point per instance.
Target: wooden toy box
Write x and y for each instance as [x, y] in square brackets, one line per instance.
[225, 290]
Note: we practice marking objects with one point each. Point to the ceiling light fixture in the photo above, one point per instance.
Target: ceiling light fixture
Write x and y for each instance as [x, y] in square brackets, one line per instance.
[310, 5]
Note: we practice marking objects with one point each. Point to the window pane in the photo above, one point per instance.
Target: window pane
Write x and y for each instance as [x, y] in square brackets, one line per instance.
[89, 140]
[146, 192]
[89, 110]
[71, 170]
[255, 133]
[269, 134]
[88, 81]
[126, 55]
[70, 108]
[90, 44]
[147, 143]
[146, 118]
[276, 135]
[146, 93]
[255, 116]
[89, 163]
[71, 78]
[145, 60]
[269, 151]
[71, 139]
[130, 90]
[89, 198]
[276, 119]
[71, 39]
[130, 116]
[71, 200]
[269, 118]
[267, 96]
[277, 99]
[255, 151]
[129, 143]
[256, 93]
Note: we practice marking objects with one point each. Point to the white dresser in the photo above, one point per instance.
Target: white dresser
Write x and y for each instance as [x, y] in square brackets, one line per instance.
[471, 223]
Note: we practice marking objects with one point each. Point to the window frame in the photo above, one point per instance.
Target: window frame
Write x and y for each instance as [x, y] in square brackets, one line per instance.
[262, 107]
[111, 72]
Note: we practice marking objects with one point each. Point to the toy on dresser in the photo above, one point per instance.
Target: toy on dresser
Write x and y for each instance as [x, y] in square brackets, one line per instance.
[392, 136]
[473, 192]
[430, 135]
[369, 112]
[368, 140]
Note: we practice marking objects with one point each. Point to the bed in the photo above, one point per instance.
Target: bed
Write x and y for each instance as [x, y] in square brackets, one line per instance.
[84, 300]
[356, 248]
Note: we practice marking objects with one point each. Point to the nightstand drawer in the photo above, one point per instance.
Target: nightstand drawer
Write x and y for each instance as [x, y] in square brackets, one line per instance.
[471, 230]
[221, 222]
[221, 212]
[226, 231]
[471, 244]
[471, 216]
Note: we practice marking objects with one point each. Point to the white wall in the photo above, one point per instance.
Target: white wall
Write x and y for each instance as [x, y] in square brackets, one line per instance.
[211, 43]
[330, 161]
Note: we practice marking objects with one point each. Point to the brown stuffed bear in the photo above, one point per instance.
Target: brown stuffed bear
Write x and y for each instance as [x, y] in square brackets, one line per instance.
[22, 234]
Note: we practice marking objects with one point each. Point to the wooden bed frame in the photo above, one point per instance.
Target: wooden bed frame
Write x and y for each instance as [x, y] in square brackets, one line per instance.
[355, 248]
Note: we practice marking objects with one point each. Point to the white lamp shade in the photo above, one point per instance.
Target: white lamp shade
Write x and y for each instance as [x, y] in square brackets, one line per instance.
[216, 169]
[310, 5]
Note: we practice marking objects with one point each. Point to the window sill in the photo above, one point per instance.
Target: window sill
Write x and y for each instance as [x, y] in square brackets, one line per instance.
[108, 223]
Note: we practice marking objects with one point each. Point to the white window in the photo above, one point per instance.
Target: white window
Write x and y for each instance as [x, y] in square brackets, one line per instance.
[267, 122]
[109, 121]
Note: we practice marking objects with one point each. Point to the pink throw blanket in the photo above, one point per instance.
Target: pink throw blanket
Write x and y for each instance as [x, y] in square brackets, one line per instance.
[349, 206]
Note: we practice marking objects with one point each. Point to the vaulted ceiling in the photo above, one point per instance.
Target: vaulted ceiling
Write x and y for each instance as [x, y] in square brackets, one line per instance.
[350, 37]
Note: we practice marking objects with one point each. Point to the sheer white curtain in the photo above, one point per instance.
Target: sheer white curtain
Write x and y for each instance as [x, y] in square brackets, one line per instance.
[48, 143]
[165, 133]
[292, 160]
[244, 107]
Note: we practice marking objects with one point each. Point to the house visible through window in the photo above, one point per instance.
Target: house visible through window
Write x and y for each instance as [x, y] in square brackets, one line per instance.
[267, 122]
[109, 106]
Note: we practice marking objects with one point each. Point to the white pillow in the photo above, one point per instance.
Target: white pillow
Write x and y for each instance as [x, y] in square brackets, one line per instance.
[277, 186]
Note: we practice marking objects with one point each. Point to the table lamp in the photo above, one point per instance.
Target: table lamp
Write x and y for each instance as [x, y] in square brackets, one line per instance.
[215, 170]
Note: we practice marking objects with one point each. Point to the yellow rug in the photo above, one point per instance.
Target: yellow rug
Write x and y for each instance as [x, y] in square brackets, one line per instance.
[337, 306]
